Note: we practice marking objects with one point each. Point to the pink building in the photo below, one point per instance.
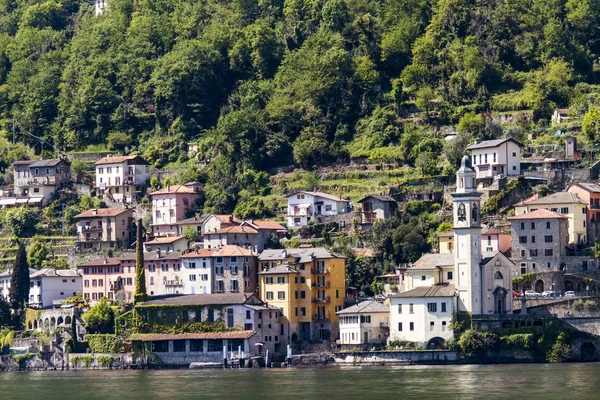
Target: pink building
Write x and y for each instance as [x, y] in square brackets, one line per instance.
[494, 240]
[170, 206]
[113, 278]
[590, 193]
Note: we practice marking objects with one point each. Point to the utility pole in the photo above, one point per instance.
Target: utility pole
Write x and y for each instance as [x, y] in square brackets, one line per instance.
[63, 218]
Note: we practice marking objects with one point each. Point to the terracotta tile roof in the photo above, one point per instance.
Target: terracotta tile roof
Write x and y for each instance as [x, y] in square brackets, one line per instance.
[227, 219]
[493, 231]
[538, 214]
[99, 262]
[165, 239]
[103, 212]
[267, 225]
[429, 291]
[120, 159]
[200, 253]
[182, 336]
[174, 189]
[230, 250]
[234, 229]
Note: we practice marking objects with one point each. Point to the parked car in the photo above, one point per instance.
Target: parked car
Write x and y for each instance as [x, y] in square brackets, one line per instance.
[569, 293]
[532, 293]
[515, 294]
[547, 293]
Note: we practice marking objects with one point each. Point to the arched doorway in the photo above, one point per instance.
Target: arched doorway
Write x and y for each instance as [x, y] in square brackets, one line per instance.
[539, 286]
[436, 343]
[568, 286]
[35, 324]
[68, 320]
[59, 321]
[588, 352]
[52, 323]
[581, 287]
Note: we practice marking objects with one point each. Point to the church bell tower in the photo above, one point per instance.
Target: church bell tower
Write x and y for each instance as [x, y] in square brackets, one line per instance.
[467, 239]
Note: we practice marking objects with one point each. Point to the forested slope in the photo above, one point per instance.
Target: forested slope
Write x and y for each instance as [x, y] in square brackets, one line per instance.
[263, 83]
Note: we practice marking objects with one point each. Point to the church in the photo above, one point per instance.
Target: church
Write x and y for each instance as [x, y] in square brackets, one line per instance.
[439, 287]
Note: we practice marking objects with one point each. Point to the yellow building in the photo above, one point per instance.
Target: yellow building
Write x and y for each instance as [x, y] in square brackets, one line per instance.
[566, 203]
[308, 286]
[446, 242]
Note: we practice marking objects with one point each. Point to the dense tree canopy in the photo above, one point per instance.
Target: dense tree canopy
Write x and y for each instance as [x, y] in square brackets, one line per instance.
[265, 83]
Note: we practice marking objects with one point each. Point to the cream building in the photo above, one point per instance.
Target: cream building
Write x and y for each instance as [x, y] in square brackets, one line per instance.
[365, 323]
[565, 203]
[105, 228]
[124, 178]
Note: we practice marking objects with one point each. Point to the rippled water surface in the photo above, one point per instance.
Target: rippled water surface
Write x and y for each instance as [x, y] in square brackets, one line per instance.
[524, 381]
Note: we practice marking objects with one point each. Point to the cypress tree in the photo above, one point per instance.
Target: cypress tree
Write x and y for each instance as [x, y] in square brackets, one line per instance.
[19, 283]
[140, 275]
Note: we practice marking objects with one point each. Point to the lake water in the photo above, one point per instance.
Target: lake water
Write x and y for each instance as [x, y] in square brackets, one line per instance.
[524, 381]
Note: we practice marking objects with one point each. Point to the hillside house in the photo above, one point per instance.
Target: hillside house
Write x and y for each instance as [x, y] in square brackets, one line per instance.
[365, 323]
[167, 244]
[376, 207]
[40, 178]
[48, 286]
[122, 178]
[306, 206]
[172, 204]
[559, 116]
[105, 228]
[492, 158]
[589, 192]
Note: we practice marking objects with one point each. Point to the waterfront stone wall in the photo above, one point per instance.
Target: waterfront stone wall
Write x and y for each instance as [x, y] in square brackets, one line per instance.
[397, 357]
[99, 361]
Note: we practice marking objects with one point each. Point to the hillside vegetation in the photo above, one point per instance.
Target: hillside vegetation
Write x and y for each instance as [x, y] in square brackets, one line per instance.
[267, 83]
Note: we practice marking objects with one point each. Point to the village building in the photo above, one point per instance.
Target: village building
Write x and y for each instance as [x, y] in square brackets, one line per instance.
[101, 6]
[559, 116]
[173, 204]
[251, 326]
[40, 179]
[199, 269]
[445, 242]
[365, 323]
[48, 287]
[565, 203]
[308, 285]
[167, 244]
[589, 193]
[105, 228]
[494, 240]
[376, 207]
[492, 158]
[112, 278]
[423, 315]
[307, 206]
[235, 270]
[122, 178]
[250, 234]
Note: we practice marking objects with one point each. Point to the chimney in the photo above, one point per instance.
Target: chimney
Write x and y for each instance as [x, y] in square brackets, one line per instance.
[106, 261]
[169, 187]
[94, 211]
[477, 140]
[158, 252]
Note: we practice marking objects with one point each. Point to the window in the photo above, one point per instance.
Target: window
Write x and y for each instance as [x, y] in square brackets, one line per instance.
[302, 294]
[233, 260]
[411, 309]
[564, 210]
[399, 326]
[281, 295]
[196, 345]
[233, 269]
[219, 259]
[327, 207]
[302, 312]
[204, 277]
[443, 307]
[152, 280]
[281, 279]
[584, 210]
[514, 154]
[269, 295]
[548, 239]
[219, 270]
[494, 157]
[533, 239]
[498, 275]
[548, 252]
[533, 225]
[549, 264]
[432, 307]
[522, 239]
[86, 283]
[423, 277]
[485, 158]
[533, 253]
[234, 286]
[178, 346]
[443, 326]
[399, 308]
[449, 275]
[533, 265]
[548, 225]
[164, 267]
[522, 253]
[220, 286]
[192, 278]
[269, 281]
[302, 279]
[412, 326]
[522, 225]
[431, 325]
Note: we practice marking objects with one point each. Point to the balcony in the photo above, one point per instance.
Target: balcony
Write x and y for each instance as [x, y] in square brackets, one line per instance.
[90, 239]
[174, 282]
[321, 300]
[320, 317]
[384, 324]
[319, 271]
[594, 206]
[42, 180]
[89, 228]
[321, 285]
[368, 217]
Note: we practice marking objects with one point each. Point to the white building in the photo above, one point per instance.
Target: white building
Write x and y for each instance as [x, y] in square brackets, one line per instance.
[198, 271]
[5, 283]
[48, 286]
[365, 323]
[122, 177]
[101, 6]
[306, 206]
[423, 315]
[491, 158]
[167, 244]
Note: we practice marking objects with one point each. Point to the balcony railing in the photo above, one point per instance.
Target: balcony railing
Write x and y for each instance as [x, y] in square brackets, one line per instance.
[594, 206]
[321, 300]
[174, 282]
[319, 271]
[320, 317]
[384, 324]
[90, 239]
[368, 217]
[87, 228]
[321, 284]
